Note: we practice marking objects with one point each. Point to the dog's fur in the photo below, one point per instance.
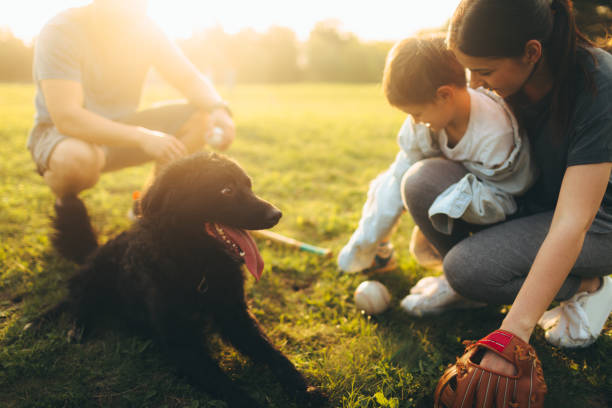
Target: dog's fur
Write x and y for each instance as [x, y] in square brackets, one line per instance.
[166, 274]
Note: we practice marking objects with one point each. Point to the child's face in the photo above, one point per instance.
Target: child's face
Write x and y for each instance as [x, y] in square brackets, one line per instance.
[437, 114]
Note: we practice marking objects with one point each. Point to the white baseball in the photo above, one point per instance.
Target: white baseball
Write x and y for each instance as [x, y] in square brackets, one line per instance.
[372, 297]
[215, 138]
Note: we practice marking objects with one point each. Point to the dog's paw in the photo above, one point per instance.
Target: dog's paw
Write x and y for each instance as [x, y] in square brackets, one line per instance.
[75, 333]
[313, 397]
[34, 326]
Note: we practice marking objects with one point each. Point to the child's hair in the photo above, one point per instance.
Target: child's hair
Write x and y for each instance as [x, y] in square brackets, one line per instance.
[416, 67]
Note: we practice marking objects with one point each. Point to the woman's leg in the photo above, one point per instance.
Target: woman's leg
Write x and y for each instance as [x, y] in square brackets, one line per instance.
[491, 265]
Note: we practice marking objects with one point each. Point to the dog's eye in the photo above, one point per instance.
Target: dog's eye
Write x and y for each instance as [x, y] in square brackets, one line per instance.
[227, 191]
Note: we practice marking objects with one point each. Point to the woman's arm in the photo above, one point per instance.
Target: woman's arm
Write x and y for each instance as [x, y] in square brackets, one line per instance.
[580, 197]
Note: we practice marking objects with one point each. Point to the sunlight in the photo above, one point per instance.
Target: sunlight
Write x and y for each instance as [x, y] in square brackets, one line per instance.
[27, 17]
[386, 20]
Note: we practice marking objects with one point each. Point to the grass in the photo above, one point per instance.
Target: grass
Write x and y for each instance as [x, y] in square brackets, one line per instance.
[311, 150]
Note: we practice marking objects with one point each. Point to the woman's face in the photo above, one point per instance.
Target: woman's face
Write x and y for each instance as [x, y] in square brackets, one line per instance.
[506, 76]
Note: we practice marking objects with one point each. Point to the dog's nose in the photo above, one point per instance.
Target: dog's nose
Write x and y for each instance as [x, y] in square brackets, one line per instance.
[273, 215]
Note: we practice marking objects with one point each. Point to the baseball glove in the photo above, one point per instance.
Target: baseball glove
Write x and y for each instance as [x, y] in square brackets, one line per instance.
[466, 384]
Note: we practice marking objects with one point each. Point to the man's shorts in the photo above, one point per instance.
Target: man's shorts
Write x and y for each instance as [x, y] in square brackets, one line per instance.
[167, 118]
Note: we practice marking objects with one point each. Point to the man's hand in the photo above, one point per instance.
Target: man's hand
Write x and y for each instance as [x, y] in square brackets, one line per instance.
[220, 118]
[161, 146]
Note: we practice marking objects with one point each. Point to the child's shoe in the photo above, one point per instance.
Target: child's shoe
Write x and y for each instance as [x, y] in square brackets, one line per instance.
[577, 322]
[434, 295]
[384, 261]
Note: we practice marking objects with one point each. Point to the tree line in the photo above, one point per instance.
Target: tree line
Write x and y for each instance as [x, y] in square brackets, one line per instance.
[275, 55]
[328, 55]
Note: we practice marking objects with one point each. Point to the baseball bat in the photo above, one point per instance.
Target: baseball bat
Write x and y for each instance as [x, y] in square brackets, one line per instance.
[302, 246]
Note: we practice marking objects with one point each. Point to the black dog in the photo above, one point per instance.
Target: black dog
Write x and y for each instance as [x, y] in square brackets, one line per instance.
[179, 271]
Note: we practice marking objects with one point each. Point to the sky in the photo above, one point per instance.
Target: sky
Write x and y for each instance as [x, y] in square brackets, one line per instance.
[368, 19]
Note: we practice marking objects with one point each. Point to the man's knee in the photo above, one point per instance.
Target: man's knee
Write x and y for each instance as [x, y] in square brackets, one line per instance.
[74, 165]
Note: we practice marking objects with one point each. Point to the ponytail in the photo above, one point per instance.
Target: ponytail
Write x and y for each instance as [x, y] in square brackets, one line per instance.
[562, 53]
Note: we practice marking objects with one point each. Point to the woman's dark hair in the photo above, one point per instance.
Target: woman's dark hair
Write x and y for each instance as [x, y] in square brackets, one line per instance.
[501, 28]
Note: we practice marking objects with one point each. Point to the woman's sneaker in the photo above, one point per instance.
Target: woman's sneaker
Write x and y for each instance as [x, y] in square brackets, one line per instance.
[384, 261]
[433, 295]
[577, 322]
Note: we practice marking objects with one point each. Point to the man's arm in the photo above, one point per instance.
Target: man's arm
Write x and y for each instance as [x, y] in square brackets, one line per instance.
[64, 100]
[176, 68]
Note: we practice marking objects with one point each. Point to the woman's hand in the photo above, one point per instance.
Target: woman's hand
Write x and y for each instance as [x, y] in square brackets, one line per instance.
[494, 362]
[497, 364]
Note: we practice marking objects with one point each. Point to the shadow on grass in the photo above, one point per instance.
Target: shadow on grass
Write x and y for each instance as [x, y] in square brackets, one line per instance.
[113, 365]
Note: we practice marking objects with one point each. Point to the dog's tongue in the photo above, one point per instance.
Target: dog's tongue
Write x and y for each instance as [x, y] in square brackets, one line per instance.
[250, 253]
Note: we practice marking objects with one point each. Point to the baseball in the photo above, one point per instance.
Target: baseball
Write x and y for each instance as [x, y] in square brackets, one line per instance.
[372, 297]
[215, 138]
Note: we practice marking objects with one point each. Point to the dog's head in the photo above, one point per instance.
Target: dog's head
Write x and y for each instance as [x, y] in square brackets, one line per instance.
[207, 192]
[208, 187]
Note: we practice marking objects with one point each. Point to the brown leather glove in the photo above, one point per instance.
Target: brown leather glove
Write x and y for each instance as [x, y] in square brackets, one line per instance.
[466, 384]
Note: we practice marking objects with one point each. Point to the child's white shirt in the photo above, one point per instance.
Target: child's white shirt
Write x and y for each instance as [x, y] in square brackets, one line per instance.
[495, 154]
[489, 136]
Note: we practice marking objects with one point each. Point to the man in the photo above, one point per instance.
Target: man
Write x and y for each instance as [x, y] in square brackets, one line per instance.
[89, 67]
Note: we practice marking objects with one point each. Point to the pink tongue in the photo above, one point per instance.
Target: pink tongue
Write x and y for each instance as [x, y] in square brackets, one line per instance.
[252, 257]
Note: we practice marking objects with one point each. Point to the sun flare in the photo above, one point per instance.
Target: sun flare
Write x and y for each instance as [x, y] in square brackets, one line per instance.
[385, 20]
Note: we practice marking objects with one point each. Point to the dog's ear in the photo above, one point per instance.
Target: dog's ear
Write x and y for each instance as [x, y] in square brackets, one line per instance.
[157, 200]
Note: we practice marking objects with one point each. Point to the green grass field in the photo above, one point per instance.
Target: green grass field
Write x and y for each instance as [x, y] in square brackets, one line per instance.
[311, 150]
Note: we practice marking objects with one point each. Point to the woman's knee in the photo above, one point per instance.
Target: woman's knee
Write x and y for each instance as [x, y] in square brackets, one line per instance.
[74, 165]
[462, 270]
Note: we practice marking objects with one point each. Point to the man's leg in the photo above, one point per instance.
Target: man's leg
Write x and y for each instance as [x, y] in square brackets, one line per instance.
[181, 120]
[67, 165]
[70, 165]
[73, 166]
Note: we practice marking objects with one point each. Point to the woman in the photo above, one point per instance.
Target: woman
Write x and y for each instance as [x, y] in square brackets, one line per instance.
[559, 246]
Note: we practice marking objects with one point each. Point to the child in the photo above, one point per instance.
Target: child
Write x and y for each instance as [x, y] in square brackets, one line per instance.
[445, 118]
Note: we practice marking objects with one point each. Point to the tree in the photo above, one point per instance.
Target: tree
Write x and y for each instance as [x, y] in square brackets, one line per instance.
[16, 58]
[594, 18]
[332, 55]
